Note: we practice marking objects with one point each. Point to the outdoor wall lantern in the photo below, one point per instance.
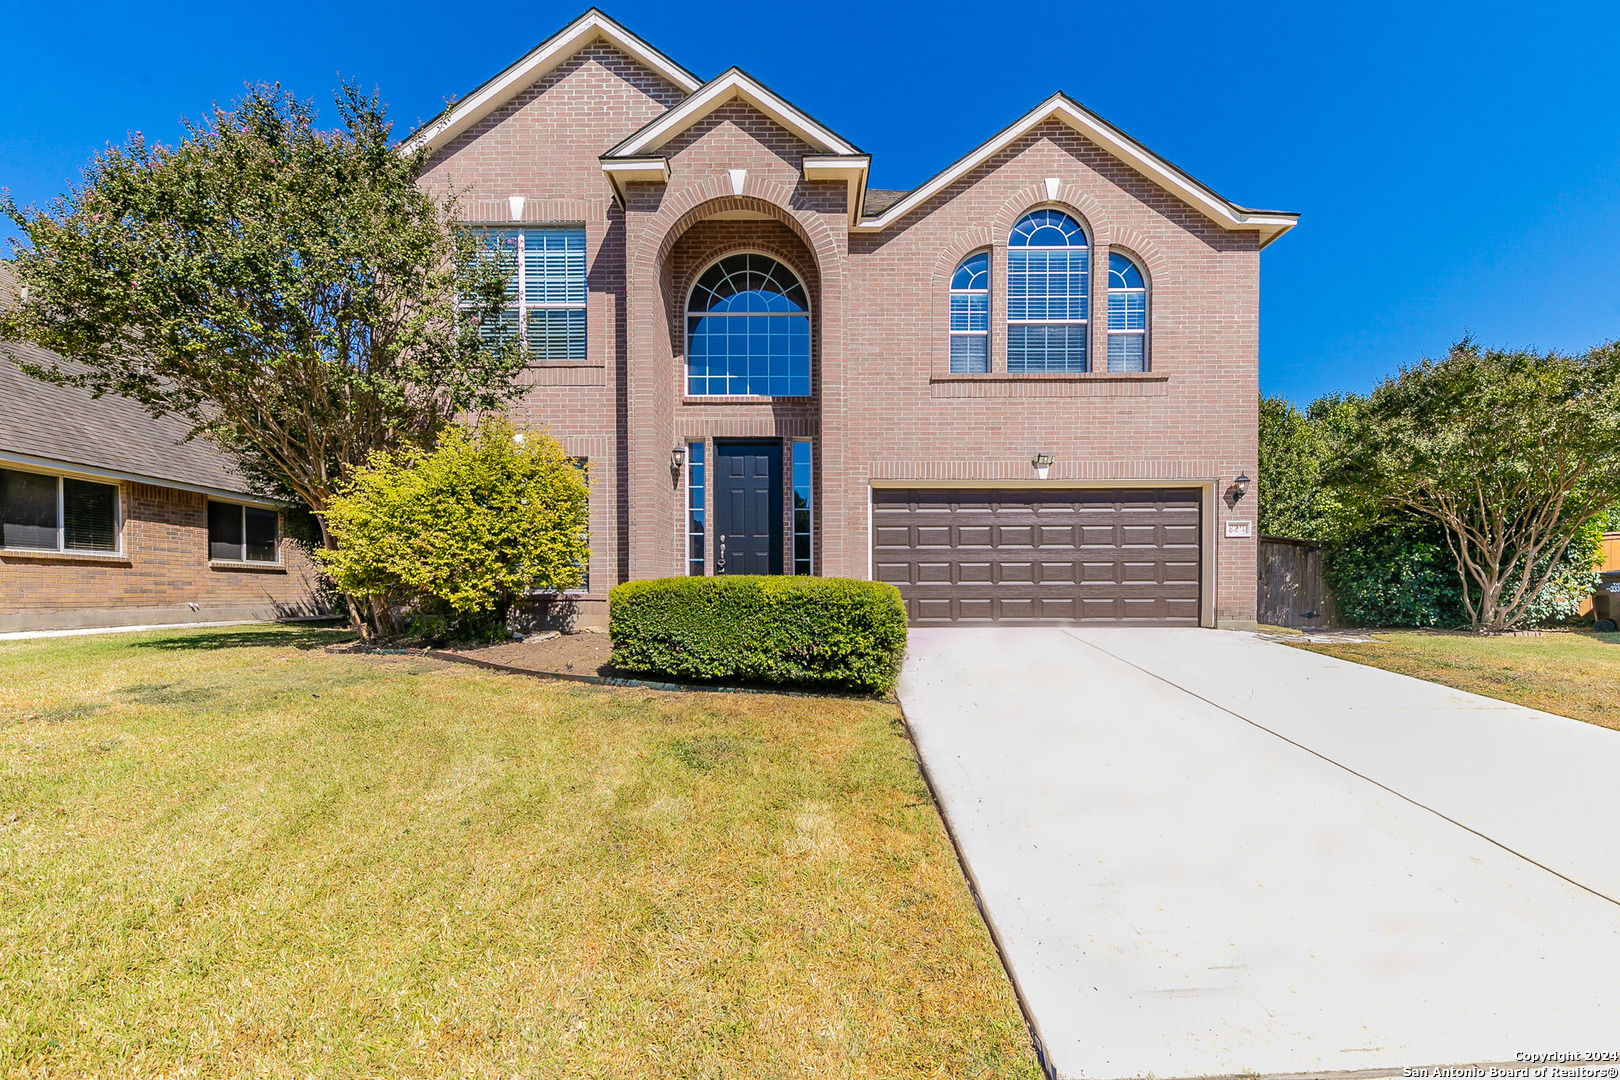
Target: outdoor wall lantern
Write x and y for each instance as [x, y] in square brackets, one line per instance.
[1240, 486]
[1043, 464]
[677, 458]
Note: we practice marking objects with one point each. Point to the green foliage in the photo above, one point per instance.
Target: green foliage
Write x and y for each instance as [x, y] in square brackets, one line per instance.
[832, 632]
[467, 528]
[1512, 454]
[1291, 458]
[293, 293]
[1395, 575]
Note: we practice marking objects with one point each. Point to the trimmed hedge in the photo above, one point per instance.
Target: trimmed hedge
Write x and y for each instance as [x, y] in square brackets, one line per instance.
[833, 632]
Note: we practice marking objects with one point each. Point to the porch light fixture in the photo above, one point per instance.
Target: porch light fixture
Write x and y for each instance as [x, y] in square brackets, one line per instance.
[1240, 486]
[1043, 464]
[677, 459]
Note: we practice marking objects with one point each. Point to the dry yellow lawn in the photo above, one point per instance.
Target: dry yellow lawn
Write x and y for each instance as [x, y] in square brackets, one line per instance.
[230, 853]
[1573, 674]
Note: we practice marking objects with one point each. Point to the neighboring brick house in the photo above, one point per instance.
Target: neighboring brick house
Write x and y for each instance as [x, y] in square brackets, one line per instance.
[1024, 391]
[110, 518]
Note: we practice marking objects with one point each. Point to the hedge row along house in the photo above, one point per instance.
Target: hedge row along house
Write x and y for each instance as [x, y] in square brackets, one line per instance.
[1023, 392]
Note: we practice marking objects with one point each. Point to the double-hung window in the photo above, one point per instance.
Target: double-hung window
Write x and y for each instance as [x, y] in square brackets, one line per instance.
[41, 512]
[1048, 294]
[1127, 315]
[970, 316]
[238, 533]
[545, 285]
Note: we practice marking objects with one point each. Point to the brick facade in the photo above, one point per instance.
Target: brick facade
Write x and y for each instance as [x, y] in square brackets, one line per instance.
[161, 571]
[884, 407]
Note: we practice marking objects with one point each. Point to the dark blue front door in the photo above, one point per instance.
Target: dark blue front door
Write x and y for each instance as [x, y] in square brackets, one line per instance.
[748, 507]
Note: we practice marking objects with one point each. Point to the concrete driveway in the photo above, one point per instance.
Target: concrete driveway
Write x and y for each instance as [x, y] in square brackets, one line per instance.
[1207, 854]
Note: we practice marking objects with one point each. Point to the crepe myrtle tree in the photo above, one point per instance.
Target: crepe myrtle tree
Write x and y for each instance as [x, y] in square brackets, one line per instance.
[291, 292]
[1512, 453]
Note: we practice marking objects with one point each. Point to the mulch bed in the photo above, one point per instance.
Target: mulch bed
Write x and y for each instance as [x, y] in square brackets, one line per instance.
[583, 653]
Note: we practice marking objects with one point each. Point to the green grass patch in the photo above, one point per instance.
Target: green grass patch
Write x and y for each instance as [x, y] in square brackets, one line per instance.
[229, 853]
[1575, 674]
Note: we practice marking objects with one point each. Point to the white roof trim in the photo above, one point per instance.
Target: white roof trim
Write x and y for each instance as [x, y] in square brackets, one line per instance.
[589, 27]
[852, 170]
[647, 170]
[1270, 223]
[730, 85]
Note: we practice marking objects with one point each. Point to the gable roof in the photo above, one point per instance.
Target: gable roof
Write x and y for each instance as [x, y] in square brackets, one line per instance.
[65, 426]
[1270, 224]
[730, 85]
[549, 54]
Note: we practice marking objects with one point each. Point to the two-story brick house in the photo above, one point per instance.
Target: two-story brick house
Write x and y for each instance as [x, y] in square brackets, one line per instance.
[1023, 392]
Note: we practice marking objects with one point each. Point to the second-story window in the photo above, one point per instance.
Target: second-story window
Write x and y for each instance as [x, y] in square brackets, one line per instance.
[1127, 315]
[970, 316]
[546, 286]
[1048, 283]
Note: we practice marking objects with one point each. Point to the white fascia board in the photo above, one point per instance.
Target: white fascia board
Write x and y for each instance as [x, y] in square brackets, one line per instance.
[850, 168]
[91, 472]
[1270, 224]
[732, 84]
[592, 26]
[647, 170]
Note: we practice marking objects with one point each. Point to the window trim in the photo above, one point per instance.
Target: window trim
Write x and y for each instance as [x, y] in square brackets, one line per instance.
[1147, 313]
[809, 507]
[522, 305]
[1089, 248]
[952, 292]
[242, 509]
[687, 314]
[698, 489]
[119, 516]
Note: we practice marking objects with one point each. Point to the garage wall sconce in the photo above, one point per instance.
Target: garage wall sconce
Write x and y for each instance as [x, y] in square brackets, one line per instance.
[1043, 465]
[677, 459]
[1240, 487]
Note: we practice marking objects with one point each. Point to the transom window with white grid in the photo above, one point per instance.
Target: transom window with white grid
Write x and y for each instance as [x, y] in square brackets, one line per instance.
[1127, 315]
[546, 285]
[1048, 294]
[970, 316]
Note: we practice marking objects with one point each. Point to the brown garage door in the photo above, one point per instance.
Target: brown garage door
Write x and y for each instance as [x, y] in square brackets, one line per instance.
[1050, 556]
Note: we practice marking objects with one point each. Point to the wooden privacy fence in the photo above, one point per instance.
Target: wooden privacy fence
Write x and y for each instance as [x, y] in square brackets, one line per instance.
[1293, 584]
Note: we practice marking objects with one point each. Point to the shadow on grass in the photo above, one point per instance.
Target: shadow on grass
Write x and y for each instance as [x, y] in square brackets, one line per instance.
[302, 636]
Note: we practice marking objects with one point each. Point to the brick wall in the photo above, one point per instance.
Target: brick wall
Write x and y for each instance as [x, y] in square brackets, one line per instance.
[885, 405]
[161, 570]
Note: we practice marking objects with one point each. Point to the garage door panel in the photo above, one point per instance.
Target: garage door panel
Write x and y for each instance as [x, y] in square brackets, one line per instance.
[1056, 556]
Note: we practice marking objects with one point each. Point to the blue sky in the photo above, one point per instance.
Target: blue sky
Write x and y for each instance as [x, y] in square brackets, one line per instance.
[1457, 164]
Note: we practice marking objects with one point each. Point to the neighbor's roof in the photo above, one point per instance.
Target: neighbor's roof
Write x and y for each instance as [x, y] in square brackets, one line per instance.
[63, 426]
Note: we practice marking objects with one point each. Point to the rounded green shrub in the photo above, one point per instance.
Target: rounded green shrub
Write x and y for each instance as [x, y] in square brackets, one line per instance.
[810, 631]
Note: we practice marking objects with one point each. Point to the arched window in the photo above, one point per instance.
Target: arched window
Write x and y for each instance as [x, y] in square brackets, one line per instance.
[970, 316]
[1048, 288]
[1127, 315]
[748, 330]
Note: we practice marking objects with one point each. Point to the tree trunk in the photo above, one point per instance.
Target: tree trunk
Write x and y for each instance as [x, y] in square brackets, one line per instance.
[356, 623]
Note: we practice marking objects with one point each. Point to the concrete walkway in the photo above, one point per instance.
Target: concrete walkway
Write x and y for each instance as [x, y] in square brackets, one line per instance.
[1206, 854]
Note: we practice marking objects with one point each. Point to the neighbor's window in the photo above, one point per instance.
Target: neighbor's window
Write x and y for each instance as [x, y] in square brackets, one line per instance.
[1127, 315]
[801, 506]
[694, 509]
[546, 286]
[40, 512]
[1048, 284]
[238, 533]
[748, 330]
[970, 316]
